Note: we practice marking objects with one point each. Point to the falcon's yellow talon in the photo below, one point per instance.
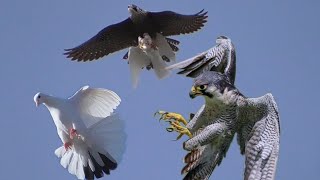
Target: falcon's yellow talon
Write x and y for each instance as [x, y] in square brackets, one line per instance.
[180, 129]
[171, 116]
[174, 119]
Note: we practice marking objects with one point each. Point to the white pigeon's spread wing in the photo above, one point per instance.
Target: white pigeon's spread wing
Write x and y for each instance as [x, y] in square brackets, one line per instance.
[94, 104]
[158, 64]
[137, 61]
[260, 140]
[164, 48]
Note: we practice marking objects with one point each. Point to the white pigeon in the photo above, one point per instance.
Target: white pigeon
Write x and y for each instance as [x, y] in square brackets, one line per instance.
[93, 136]
[150, 54]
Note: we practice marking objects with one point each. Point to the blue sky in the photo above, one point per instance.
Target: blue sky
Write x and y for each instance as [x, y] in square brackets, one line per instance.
[277, 45]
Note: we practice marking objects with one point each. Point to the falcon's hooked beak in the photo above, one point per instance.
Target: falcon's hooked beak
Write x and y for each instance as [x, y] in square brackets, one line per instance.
[195, 91]
[132, 7]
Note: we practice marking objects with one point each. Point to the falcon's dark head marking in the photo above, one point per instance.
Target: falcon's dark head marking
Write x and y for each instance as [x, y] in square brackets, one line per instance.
[222, 39]
[135, 10]
[210, 84]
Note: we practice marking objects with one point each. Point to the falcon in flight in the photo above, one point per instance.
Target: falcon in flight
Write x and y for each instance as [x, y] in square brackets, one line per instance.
[125, 34]
[220, 58]
[227, 112]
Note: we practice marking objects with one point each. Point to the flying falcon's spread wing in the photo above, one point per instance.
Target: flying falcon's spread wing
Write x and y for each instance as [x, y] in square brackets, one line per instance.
[260, 140]
[111, 39]
[171, 23]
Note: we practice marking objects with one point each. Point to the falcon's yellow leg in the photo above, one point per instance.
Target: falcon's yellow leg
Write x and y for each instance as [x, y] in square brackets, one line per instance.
[171, 116]
[175, 126]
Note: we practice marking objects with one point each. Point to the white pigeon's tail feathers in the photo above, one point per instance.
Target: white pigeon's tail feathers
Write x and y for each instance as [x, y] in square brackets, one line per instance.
[80, 162]
[159, 66]
[165, 50]
[137, 60]
[98, 153]
[109, 135]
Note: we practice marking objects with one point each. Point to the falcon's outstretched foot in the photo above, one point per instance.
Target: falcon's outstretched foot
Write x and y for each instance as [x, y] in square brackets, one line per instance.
[176, 126]
[175, 119]
[171, 116]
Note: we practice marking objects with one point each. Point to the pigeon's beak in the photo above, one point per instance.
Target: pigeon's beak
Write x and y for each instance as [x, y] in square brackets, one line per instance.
[194, 92]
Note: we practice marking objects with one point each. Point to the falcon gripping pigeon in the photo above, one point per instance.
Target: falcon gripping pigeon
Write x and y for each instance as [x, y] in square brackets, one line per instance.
[125, 34]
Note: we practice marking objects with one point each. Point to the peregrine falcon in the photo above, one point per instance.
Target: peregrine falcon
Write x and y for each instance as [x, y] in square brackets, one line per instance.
[125, 34]
[226, 112]
[220, 58]
[150, 55]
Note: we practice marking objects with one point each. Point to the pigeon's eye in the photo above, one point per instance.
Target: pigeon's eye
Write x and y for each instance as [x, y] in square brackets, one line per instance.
[39, 97]
[203, 87]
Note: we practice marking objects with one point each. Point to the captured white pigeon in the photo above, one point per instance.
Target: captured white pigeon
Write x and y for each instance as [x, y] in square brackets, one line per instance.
[93, 136]
[150, 54]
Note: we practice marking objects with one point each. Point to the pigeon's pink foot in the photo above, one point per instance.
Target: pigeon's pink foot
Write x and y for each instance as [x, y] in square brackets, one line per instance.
[67, 145]
[73, 133]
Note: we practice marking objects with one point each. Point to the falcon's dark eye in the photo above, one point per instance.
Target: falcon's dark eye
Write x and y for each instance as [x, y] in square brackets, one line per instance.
[203, 87]
[39, 97]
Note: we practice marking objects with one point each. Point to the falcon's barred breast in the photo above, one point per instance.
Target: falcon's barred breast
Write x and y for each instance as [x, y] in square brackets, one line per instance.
[225, 113]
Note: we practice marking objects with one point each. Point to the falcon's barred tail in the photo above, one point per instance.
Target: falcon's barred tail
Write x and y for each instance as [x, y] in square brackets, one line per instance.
[107, 145]
[201, 162]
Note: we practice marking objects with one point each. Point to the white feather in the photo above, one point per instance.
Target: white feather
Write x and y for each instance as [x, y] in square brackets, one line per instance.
[94, 104]
[137, 60]
[158, 64]
[164, 48]
[109, 135]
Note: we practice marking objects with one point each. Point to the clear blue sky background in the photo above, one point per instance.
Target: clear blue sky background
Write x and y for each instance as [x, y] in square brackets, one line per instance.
[277, 47]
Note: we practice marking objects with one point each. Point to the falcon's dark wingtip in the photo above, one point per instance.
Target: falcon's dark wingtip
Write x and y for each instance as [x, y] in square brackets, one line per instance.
[75, 55]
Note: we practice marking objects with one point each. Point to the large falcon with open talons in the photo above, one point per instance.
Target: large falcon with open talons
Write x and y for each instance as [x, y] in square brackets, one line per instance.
[125, 34]
[220, 58]
[211, 130]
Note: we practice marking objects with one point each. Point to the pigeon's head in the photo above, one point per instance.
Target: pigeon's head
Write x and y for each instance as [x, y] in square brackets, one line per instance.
[145, 43]
[210, 84]
[135, 10]
[39, 98]
[222, 39]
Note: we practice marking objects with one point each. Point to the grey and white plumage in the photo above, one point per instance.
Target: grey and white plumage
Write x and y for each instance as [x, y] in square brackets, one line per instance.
[125, 34]
[98, 142]
[220, 58]
[172, 43]
[150, 54]
[225, 113]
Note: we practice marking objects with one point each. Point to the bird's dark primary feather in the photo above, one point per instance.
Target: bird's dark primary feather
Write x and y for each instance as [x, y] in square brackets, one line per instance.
[170, 23]
[111, 39]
